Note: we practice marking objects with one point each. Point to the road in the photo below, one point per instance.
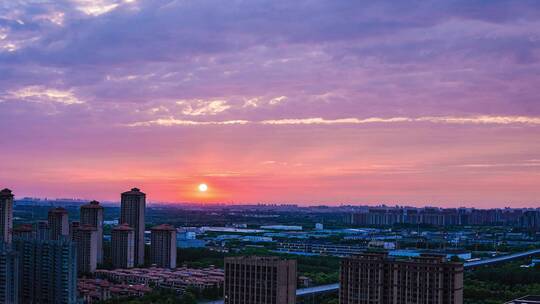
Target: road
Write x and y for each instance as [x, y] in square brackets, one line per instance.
[503, 258]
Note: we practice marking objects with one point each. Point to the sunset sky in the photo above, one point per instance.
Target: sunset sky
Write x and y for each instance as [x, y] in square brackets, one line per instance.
[309, 102]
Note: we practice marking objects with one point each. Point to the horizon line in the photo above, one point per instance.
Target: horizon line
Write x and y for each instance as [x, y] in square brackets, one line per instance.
[284, 204]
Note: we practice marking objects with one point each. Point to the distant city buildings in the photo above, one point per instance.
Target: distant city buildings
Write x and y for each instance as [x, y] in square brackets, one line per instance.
[132, 210]
[92, 214]
[260, 280]
[6, 215]
[58, 223]
[188, 239]
[163, 246]
[387, 216]
[123, 246]
[376, 278]
[530, 220]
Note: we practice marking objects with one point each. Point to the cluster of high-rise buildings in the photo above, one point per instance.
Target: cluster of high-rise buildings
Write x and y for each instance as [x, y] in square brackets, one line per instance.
[40, 263]
[367, 278]
[378, 278]
[386, 216]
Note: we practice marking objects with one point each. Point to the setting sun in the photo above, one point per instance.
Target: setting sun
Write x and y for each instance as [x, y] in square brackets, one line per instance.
[203, 187]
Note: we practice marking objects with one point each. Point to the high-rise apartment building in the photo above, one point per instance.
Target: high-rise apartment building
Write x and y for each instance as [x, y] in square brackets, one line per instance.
[163, 246]
[132, 209]
[375, 278]
[92, 214]
[123, 246]
[86, 241]
[260, 280]
[58, 223]
[73, 226]
[42, 230]
[47, 271]
[6, 215]
[24, 231]
[9, 265]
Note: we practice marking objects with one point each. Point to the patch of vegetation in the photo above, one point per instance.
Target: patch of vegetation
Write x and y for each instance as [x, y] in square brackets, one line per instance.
[199, 258]
[491, 285]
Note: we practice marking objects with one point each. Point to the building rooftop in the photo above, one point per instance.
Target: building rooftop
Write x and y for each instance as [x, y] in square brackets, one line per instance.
[6, 192]
[123, 227]
[163, 227]
[133, 191]
[58, 210]
[423, 258]
[257, 258]
[23, 228]
[92, 205]
[87, 228]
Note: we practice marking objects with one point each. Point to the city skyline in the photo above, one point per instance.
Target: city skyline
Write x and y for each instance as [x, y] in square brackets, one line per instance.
[61, 201]
[415, 103]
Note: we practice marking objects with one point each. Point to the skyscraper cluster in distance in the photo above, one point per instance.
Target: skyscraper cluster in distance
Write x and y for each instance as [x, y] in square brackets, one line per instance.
[40, 263]
[387, 216]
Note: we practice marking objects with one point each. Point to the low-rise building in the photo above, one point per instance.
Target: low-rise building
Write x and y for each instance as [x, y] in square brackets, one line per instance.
[178, 279]
[96, 290]
[282, 227]
[312, 248]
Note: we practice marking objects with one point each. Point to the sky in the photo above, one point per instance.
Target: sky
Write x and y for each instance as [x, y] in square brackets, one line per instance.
[310, 102]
